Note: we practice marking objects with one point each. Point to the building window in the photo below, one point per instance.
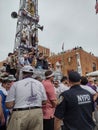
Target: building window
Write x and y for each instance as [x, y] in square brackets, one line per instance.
[94, 67]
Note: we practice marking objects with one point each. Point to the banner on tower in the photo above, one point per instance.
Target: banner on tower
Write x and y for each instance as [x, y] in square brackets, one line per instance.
[31, 7]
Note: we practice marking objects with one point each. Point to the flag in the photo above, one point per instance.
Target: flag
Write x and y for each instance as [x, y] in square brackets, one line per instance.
[63, 46]
[96, 6]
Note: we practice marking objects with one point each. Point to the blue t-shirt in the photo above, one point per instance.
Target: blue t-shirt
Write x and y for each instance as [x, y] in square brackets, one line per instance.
[5, 110]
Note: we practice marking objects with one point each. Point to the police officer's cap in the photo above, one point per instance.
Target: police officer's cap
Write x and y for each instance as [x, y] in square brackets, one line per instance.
[74, 76]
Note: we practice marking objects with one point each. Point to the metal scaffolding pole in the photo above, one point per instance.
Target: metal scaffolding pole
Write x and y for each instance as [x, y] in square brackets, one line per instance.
[27, 27]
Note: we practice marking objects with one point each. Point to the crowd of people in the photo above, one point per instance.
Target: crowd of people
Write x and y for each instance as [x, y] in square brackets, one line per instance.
[33, 103]
[29, 102]
[14, 63]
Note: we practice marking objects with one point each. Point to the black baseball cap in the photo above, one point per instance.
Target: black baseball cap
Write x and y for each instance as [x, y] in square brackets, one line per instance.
[74, 76]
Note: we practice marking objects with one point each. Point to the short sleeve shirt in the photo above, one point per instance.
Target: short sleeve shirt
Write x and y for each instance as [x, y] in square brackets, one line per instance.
[27, 93]
[3, 94]
[75, 108]
[48, 110]
[61, 89]
[88, 89]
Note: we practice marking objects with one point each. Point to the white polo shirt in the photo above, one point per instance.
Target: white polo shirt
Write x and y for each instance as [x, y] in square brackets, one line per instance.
[27, 93]
[88, 89]
[61, 89]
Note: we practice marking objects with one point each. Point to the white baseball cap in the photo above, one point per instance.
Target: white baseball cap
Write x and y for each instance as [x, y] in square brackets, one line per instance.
[27, 68]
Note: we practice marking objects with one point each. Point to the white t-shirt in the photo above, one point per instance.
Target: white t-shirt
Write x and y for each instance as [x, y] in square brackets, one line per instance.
[3, 89]
[61, 89]
[88, 89]
[27, 93]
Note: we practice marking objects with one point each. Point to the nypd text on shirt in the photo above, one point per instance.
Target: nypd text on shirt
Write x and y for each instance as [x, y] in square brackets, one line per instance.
[83, 99]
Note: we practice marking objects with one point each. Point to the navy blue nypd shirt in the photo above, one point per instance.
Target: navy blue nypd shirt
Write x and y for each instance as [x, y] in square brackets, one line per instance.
[75, 108]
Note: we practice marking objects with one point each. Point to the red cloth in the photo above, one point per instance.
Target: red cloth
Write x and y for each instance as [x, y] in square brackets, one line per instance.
[48, 109]
[96, 6]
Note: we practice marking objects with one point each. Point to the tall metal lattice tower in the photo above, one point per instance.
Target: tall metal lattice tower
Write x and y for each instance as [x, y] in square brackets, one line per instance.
[26, 38]
[27, 26]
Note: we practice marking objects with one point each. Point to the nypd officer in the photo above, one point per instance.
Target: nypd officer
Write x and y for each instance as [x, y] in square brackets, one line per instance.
[26, 98]
[75, 107]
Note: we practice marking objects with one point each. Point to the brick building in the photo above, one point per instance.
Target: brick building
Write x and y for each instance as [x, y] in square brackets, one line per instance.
[1, 63]
[44, 50]
[75, 59]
